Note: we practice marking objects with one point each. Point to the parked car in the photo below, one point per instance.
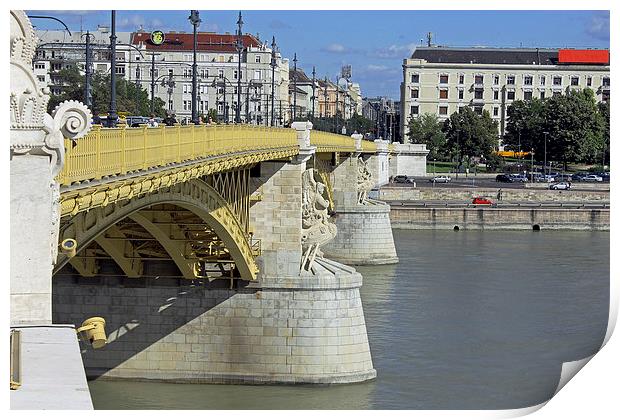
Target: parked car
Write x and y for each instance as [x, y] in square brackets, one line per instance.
[518, 178]
[563, 178]
[503, 178]
[440, 178]
[543, 178]
[560, 186]
[403, 179]
[481, 200]
[592, 178]
[579, 176]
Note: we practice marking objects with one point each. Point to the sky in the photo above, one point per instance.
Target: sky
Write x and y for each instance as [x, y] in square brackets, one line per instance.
[373, 42]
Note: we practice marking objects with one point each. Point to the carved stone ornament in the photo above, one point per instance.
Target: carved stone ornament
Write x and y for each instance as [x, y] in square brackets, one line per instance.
[316, 229]
[33, 131]
[364, 181]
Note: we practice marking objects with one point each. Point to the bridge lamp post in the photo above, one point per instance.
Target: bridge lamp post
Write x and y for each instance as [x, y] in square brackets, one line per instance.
[194, 18]
[273, 78]
[295, 87]
[112, 115]
[252, 82]
[88, 96]
[313, 87]
[239, 46]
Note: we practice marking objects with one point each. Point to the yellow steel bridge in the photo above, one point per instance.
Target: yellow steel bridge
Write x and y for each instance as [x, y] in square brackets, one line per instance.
[178, 193]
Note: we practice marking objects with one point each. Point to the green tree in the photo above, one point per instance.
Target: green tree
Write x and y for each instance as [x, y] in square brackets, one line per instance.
[525, 119]
[360, 124]
[603, 109]
[575, 126]
[428, 130]
[469, 134]
[130, 97]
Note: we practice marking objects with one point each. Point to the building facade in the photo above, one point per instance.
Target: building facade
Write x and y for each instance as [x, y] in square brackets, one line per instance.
[385, 113]
[166, 70]
[440, 80]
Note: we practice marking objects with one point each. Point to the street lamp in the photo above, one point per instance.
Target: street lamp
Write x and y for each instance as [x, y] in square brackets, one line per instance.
[295, 87]
[273, 78]
[251, 83]
[88, 96]
[239, 46]
[545, 164]
[195, 21]
[313, 87]
[224, 81]
[112, 115]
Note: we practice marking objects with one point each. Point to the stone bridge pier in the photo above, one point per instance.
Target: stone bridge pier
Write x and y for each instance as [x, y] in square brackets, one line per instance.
[364, 230]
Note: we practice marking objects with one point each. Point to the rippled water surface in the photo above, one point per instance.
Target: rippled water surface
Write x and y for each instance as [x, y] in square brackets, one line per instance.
[466, 320]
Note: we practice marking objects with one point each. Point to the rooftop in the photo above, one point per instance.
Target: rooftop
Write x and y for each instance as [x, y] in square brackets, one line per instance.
[207, 41]
[481, 55]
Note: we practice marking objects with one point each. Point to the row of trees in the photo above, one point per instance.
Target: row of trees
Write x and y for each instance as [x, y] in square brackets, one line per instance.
[577, 131]
[130, 97]
[577, 128]
[462, 137]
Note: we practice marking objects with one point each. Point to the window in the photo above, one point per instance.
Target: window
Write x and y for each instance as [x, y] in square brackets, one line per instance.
[589, 81]
[235, 74]
[415, 93]
[187, 88]
[204, 73]
[556, 93]
[257, 75]
[138, 72]
[257, 59]
[510, 80]
[478, 93]
[496, 95]
[543, 80]
[203, 89]
[528, 80]
[527, 95]
[186, 105]
[220, 73]
[415, 110]
[496, 80]
[460, 93]
[443, 79]
[574, 81]
[137, 58]
[41, 78]
[56, 66]
[511, 95]
[478, 110]
[170, 72]
[39, 66]
[220, 58]
[187, 72]
[605, 96]
[542, 94]
[443, 110]
[557, 80]
[120, 70]
[187, 57]
[495, 111]
[170, 105]
[461, 79]
[606, 81]
[478, 79]
[443, 93]
[415, 78]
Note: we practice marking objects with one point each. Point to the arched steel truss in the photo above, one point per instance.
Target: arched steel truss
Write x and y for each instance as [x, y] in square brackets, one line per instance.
[166, 216]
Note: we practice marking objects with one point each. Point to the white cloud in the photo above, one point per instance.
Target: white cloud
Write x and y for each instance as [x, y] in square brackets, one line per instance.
[395, 51]
[376, 68]
[598, 26]
[335, 48]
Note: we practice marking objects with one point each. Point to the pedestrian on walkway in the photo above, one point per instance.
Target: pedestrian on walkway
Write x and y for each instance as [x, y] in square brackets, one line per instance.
[152, 123]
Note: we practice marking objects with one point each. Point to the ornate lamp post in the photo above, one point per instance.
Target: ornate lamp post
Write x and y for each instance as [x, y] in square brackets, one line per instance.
[239, 50]
[273, 78]
[313, 83]
[112, 115]
[295, 87]
[195, 20]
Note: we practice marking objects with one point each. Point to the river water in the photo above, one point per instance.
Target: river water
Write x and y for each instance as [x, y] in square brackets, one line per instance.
[466, 320]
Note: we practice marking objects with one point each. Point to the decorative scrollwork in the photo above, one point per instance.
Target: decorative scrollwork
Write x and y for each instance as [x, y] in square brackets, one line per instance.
[316, 229]
[73, 119]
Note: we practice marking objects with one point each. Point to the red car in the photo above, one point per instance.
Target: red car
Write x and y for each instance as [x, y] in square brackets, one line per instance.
[481, 200]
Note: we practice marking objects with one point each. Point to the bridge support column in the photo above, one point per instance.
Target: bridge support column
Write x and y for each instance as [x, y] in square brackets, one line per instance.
[409, 159]
[37, 155]
[364, 230]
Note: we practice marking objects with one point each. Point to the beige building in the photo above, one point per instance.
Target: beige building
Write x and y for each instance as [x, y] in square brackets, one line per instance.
[440, 80]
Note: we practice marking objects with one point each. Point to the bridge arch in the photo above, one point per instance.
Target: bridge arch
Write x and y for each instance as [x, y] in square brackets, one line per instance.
[196, 196]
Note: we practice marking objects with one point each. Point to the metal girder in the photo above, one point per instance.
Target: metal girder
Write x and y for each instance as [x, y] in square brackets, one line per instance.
[175, 249]
[196, 196]
[119, 251]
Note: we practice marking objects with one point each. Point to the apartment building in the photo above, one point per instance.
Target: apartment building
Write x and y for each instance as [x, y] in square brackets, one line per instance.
[167, 70]
[440, 80]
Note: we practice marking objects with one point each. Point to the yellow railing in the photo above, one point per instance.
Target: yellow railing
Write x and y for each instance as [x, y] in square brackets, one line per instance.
[369, 146]
[329, 142]
[118, 151]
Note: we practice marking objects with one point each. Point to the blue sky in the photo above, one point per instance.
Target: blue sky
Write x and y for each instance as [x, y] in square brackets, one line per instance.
[373, 42]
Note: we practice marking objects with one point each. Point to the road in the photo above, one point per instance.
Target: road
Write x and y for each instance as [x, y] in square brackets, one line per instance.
[489, 182]
[500, 204]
